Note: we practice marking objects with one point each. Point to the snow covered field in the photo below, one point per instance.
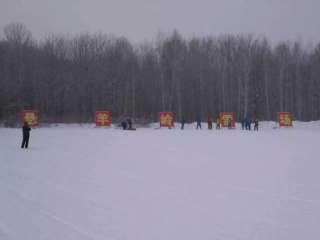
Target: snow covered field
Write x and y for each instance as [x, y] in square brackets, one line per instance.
[78, 183]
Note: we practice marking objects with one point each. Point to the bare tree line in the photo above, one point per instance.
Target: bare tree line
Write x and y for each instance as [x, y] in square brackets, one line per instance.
[68, 78]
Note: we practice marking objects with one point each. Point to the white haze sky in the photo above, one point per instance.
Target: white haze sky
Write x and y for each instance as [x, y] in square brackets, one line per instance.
[139, 20]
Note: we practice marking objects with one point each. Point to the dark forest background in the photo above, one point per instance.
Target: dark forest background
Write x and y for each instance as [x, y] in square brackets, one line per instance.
[68, 78]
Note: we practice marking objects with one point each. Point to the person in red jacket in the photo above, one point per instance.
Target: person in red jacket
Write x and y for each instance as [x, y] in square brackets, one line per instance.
[209, 122]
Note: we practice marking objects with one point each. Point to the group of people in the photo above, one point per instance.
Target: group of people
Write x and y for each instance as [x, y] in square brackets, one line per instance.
[245, 123]
[126, 124]
[210, 123]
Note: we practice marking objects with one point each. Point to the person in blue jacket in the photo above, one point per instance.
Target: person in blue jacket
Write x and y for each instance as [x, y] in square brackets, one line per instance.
[248, 122]
[198, 122]
[124, 124]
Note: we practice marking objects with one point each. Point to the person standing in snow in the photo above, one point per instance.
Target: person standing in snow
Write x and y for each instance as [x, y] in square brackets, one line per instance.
[26, 135]
[230, 123]
[209, 122]
[218, 123]
[129, 121]
[124, 124]
[243, 123]
[198, 122]
[248, 122]
[256, 125]
[183, 121]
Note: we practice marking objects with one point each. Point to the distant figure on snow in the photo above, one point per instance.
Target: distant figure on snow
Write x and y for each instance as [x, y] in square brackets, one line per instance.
[124, 124]
[198, 122]
[243, 124]
[248, 122]
[26, 135]
[209, 122]
[230, 123]
[218, 123]
[129, 121]
[183, 121]
[256, 125]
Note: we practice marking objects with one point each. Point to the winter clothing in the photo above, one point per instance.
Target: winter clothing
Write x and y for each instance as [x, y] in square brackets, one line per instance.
[248, 122]
[124, 124]
[129, 121]
[218, 123]
[209, 123]
[243, 124]
[256, 125]
[198, 122]
[26, 135]
[230, 124]
[183, 121]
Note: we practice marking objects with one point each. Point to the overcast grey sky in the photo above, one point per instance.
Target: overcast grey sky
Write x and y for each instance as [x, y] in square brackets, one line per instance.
[142, 19]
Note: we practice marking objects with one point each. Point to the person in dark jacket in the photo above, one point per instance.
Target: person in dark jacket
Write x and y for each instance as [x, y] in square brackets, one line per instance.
[256, 125]
[183, 121]
[243, 124]
[124, 124]
[249, 123]
[26, 135]
[129, 121]
[198, 122]
[230, 123]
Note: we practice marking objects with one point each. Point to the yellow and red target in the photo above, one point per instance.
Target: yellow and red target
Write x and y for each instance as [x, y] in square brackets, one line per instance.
[31, 117]
[103, 118]
[285, 119]
[228, 119]
[166, 119]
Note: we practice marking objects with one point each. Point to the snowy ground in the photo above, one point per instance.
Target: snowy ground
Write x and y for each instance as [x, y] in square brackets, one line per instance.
[77, 183]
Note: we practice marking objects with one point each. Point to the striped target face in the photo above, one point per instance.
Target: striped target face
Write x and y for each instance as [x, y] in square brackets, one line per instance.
[31, 117]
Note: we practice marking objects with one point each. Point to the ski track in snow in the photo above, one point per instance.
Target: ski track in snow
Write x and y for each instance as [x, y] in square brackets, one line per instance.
[91, 184]
[29, 204]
